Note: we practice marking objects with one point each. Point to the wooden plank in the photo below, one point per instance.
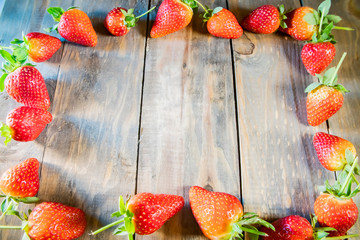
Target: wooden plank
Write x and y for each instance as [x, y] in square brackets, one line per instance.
[188, 121]
[13, 21]
[345, 123]
[91, 153]
[279, 169]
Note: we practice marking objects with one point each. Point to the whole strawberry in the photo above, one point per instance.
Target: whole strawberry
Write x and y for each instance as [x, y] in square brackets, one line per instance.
[144, 213]
[335, 212]
[317, 56]
[331, 150]
[265, 19]
[172, 16]
[50, 220]
[119, 20]
[291, 227]
[27, 86]
[74, 25]
[220, 215]
[222, 23]
[324, 98]
[38, 46]
[25, 124]
[22, 180]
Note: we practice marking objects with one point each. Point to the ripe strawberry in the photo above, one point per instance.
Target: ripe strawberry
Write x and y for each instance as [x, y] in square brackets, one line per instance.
[22, 180]
[291, 227]
[220, 215]
[145, 213]
[334, 212]
[331, 150]
[74, 25]
[222, 23]
[265, 19]
[324, 98]
[51, 220]
[38, 46]
[172, 16]
[27, 86]
[297, 26]
[317, 56]
[25, 124]
[119, 21]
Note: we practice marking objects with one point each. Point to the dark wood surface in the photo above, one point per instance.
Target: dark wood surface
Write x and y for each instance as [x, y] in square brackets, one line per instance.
[136, 114]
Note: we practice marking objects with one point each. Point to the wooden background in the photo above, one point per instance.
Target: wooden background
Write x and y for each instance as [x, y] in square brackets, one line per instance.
[137, 114]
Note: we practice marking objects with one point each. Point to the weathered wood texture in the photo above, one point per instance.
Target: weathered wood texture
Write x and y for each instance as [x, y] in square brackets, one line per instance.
[188, 121]
[279, 168]
[346, 122]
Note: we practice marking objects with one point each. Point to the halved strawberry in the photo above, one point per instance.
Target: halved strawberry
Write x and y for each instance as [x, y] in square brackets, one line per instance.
[144, 213]
[172, 16]
[324, 98]
[220, 215]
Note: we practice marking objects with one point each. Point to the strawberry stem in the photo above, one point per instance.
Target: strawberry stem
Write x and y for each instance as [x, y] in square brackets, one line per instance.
[343, 28]
[321, 20]
[107, 226]
[11, 227]
[342, 237]
[347, 180]
[354, 178]
[202, 6]
[145, 13]
[337, 69]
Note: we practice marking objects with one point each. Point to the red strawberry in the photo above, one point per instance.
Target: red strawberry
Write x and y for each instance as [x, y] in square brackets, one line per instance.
[334, 212]
[290, 228]
[172, 16]
[265, 19]
[27, 86]
[220, 215]
[324, 98]
[74, 25]
[51, 220]
[25, 124]
[22, 180]
[297, 26]
[119, 20]
[38, 46]
[222, 23]
[317, 56]
[145, 213]
[331, 149]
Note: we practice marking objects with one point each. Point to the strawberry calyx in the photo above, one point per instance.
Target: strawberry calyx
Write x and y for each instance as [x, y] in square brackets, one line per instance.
[9, 205]
[325, 23]
[130, 19]
[24, 223]
[245, 224]
[329, 79]
[191, 3]
[282, 16]
[321, 233]
[208, 12]
[56, 13]
[6, 132]
[126, 226]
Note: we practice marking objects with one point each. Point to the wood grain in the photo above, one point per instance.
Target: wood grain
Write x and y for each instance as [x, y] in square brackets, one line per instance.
[346, 123]
[188, 121]
[279, 169]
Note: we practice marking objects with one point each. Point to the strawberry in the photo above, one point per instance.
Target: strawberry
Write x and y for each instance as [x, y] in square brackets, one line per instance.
[38, 46]
[74, 25]
[291, 227]
[27, 86]
[317, 56]
[265, 19]
[144, 213]
[22, 180]
[221, 23]
[324, 98]
[220, 215]
[120, 20]
[337, 213]
[25, 124]
[331, 150]
[172, 16]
